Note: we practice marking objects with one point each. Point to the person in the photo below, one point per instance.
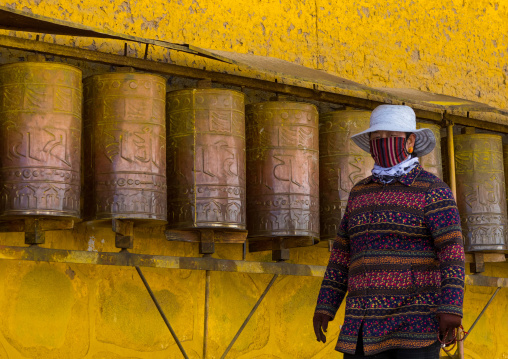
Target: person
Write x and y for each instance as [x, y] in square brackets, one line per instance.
[398, 252]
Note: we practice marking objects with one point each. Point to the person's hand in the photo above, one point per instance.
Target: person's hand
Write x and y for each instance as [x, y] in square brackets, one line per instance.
[320, 320]
[447, 324]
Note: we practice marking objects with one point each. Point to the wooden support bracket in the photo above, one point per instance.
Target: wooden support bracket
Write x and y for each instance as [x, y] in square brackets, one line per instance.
[207, 242]
[194, 236]
[33, 232]
[478, 265]
[487, 257]
[35, 228]
[207, 238]
[204, 84]
[279, 251]
[124, 233]
[280, 255]
[266, 243]
[36, 58]
[279, 245]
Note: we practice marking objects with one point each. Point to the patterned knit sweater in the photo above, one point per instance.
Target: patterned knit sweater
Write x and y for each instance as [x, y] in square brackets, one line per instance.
[399, 256]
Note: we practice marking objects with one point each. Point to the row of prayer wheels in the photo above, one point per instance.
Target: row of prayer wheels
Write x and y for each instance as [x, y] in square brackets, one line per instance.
[201, 159]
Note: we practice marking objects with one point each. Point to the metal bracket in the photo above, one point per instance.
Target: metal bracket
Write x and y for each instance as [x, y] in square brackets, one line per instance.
[249, 316]
[459, 353]
[482, 312]
[161, 312]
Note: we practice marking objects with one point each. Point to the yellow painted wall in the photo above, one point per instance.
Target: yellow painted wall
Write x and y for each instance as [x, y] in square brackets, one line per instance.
[80, 311]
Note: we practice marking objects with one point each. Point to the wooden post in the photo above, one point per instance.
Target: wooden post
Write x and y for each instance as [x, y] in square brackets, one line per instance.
[460, 345]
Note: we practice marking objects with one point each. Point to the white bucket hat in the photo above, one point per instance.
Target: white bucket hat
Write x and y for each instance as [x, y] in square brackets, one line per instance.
[396, 118]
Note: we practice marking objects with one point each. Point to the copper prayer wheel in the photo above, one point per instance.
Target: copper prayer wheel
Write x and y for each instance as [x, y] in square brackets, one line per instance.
[206, 159]
[481, 191]
[505, 163]
[432, 162]
[341, 165]
[283, 174]
[40, 115]
[445, 160]
[125, 148]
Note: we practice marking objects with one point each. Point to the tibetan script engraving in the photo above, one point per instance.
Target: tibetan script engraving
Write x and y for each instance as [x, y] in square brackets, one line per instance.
[341, 165]
[283, 174]
[481, 191]
[126, 152]
[40, 131]
[206, 159]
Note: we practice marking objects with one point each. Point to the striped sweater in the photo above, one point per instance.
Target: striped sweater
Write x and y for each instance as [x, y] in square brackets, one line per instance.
[399, 256]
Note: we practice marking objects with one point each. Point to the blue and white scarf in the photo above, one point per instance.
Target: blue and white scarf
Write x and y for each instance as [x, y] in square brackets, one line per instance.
[391, 174]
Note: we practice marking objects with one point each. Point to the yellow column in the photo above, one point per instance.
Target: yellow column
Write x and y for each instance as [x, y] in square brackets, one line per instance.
[451, 160]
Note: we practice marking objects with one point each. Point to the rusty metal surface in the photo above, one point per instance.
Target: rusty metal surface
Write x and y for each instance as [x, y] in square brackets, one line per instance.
[17, 20]
[432, 162]
[125, 147]
[341, 164]
[481, 196]
[283, 170]
[40, 131]
[206, 159]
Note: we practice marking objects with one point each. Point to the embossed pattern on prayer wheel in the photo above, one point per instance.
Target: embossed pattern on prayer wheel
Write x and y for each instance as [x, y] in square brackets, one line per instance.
[432, 162]
[505, 162]
[283, 170]
[126, 148]
[40, 116]
[481, 191]
[445, 160]
[341, 165]
[206, 159]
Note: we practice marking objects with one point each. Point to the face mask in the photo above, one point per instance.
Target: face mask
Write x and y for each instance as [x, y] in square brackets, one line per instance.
[388, 152]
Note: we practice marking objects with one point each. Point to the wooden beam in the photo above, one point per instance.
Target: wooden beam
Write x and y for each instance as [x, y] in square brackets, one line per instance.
[429, 113]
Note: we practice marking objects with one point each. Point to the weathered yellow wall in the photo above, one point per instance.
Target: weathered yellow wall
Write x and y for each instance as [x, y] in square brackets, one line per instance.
[456, 47]
[80, 311]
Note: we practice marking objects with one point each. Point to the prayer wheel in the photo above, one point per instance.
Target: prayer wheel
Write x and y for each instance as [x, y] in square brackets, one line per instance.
[283, 174]
[445, 160]
[505, 163]
[126, 147]
[432, 162]
[481, 196]
[341, 165]
[40, 116]
[206, 159]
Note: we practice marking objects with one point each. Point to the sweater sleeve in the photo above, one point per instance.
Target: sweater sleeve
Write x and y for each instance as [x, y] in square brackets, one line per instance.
[443, 220]
[335, 281]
